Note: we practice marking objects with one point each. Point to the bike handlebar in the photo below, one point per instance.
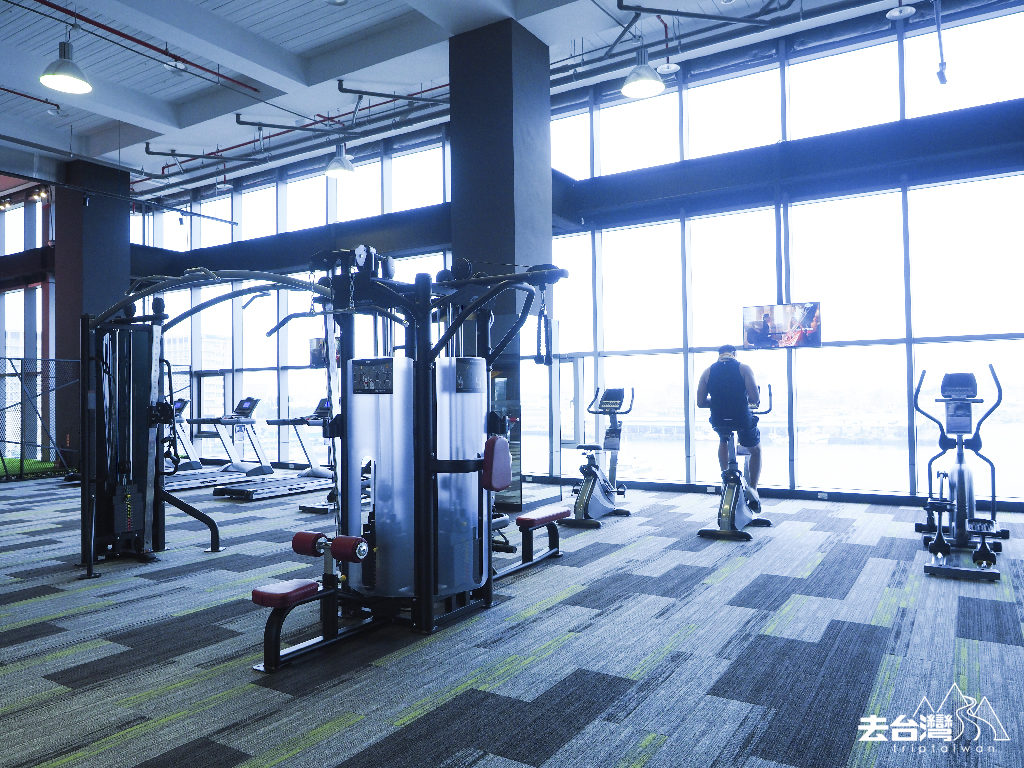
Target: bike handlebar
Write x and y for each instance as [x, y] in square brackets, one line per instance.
[769, 408]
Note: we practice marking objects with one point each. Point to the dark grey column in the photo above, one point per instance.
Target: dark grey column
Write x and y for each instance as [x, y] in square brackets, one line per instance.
[91, 266]
[500, 135]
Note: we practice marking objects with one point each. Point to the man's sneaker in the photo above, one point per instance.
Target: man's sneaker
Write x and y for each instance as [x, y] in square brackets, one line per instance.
[753, 500]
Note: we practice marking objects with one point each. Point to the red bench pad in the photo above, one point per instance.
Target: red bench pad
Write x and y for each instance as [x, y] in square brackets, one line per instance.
[282, 594]
[535, 520]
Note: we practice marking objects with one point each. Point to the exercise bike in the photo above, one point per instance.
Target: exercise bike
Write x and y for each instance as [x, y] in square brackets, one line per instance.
[965, 529]
[597, 493]
[739, 505]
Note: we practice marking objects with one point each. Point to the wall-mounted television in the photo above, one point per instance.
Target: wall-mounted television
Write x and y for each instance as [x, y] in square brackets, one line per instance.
[776, 326]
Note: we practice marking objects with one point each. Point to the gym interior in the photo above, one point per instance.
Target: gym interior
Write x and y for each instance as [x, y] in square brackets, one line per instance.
[351, 355]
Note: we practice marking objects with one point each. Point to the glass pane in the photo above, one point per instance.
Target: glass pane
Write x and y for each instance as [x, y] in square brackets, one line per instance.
[851, 430]
[259, 315]
[406, 270]
[216, 232]
[417, 179]
[359, 193]
[733, 114]
[212, 405]
[302, 330]
[14, 323]
[305, 389]
[261, 384]
[642, 298]
[215, 330]
[983, 66]
[533, 395]
[844, 91]
[571, 300]
[967, 257]
[306, 203]
[572, 458]
[178, 341]
[639, 134]
[769, 367]
[731, 260]
[135, 229]
[175, 228]
[259, 214]
[570, 145]
[652, 446]
[1001, 431]
[855, 271]
[567, 401]
[14, 230]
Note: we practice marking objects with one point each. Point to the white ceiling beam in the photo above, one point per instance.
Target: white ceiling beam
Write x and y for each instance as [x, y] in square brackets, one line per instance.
[37, 136]
[455, 18]
[189, 29]
[412, 34]
[21, 72]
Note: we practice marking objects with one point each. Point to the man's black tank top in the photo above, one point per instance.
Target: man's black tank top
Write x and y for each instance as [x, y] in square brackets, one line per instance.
[728, 391]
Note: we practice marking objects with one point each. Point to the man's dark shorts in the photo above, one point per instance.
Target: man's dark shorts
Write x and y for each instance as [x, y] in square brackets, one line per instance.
[748, 435]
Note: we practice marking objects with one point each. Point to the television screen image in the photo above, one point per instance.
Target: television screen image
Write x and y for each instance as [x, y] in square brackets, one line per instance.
[774, 326]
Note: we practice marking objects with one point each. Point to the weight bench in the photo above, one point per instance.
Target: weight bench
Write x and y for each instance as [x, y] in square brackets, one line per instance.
[283, 596]
[529, 522]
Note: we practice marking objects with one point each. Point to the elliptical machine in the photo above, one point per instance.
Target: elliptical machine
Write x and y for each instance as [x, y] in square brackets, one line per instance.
[596, 493]
[965, 530]
[739, 506]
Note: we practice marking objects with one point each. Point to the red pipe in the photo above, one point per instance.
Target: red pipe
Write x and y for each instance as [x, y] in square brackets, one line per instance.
[323, 119]
[27, 96]
[144, 44]
[658, 17]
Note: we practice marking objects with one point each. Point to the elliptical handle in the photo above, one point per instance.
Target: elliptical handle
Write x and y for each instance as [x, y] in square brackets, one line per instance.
[631, 394]
[769, 408]
[999, 399]
[917, 407]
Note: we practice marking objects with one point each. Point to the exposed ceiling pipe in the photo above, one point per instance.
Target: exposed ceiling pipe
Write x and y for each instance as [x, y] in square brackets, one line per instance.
[390, 96]
[178, 156]
[29, 96]
[308, 127]
[325, 119]
[622, 34]
[144, 44]
[687, 15]
[395, 122]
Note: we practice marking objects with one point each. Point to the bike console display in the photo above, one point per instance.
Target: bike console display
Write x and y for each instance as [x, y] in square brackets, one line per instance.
[323, 409]
[609, 401]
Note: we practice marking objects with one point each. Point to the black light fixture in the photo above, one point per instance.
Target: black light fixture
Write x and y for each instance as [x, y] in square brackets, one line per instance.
[63, 74]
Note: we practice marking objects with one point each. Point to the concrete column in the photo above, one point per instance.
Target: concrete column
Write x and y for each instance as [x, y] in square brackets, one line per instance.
[92, 265]
[500, 135]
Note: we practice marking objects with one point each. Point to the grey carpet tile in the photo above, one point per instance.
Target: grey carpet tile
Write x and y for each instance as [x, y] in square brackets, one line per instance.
[642, 646]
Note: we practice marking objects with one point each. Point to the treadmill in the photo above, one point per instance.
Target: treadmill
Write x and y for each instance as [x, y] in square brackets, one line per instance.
[316, 478]
[239, 470]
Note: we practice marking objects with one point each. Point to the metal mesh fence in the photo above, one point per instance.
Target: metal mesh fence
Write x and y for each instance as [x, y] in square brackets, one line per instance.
[39, 415]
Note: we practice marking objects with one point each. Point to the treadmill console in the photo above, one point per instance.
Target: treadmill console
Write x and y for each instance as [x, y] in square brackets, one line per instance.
[245, 407]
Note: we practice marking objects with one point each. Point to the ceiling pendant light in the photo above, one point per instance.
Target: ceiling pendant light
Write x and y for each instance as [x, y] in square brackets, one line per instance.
[901, 11]
[63, 74]
[340, 164]
[642, 81]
